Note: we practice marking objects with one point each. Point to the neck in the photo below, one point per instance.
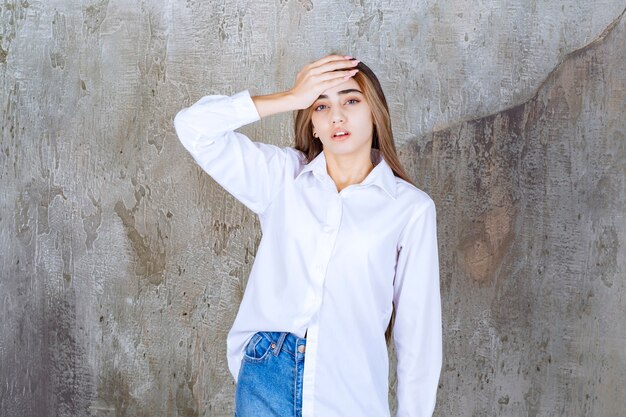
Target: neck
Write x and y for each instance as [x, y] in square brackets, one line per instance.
[346, 170]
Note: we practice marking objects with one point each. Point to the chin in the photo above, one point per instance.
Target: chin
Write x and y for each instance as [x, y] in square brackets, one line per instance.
[339, 147]
[341, 150]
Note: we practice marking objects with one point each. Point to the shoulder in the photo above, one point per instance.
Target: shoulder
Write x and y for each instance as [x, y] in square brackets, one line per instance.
[419, 213]
[297, 155]
[411, 198]
[294, 159]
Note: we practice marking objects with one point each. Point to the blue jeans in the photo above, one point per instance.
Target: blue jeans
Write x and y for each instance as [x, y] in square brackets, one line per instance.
[270, 379]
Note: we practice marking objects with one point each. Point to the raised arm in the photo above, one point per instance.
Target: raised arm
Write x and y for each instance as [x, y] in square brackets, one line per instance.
[311, 81]
[251, 171]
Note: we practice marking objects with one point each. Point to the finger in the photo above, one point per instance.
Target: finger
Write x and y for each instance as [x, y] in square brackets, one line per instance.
[329, 58]
[336, 76]
[327, 85]
[335, 65]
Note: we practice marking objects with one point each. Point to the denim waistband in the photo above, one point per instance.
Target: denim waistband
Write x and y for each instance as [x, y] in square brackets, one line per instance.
[286, 341]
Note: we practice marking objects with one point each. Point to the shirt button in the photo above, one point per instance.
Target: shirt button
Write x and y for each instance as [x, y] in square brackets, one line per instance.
[328, 229]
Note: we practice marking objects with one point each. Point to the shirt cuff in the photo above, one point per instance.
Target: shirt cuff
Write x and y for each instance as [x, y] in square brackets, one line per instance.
[245, 108]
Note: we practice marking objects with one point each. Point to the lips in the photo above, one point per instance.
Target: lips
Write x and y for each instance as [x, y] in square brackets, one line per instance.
[340, 134]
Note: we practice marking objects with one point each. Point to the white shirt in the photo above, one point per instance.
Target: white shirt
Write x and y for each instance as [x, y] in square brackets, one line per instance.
[330, 262]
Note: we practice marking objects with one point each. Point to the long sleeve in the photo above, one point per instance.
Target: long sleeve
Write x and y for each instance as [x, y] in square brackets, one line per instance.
[250, 171]
[417, 330]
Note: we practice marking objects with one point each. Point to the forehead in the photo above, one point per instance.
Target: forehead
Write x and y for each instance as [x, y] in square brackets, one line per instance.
[346, 85]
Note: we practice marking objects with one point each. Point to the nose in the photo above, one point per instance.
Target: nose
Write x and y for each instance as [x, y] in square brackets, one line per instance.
[338, 116]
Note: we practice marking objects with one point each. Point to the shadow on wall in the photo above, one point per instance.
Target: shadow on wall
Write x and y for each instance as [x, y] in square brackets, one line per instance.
[531, 209]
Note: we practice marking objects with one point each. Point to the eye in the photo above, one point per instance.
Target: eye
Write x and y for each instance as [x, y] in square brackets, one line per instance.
[352, 101]
[320, 107]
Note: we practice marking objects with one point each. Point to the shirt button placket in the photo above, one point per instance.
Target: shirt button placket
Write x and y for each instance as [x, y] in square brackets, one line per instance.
[326, 242]
[333, 217]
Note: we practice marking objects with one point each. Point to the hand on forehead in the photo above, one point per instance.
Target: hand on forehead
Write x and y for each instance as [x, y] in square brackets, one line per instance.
[347, 86]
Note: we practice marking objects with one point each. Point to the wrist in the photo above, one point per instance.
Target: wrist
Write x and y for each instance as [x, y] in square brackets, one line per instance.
[275, 103]
[291, 101]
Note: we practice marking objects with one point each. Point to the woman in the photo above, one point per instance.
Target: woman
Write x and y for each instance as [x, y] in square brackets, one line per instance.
[347, 240]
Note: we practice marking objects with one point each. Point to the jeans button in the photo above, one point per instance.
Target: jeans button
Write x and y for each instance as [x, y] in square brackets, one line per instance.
[301, 348]
[273, 346]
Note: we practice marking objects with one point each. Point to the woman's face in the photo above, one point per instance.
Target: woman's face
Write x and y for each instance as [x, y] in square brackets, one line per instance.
[343, 120]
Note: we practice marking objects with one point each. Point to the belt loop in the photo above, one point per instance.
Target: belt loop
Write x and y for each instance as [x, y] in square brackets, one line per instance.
[279, 343]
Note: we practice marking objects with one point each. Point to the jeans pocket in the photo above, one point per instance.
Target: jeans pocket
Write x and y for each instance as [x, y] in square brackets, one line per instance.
[259, 348]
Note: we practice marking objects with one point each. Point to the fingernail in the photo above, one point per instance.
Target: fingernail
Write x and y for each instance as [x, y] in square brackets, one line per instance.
[350, 74]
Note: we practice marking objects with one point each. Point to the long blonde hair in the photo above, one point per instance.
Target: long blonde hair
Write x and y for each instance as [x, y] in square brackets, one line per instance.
[382, 138]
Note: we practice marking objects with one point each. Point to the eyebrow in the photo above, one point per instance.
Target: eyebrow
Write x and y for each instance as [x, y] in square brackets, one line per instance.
[348, 91]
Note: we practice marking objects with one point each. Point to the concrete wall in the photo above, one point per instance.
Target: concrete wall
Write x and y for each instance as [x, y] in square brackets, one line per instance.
[122, 264]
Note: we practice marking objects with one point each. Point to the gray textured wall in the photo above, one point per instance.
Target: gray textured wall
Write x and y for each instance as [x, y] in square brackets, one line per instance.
[122, 264]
